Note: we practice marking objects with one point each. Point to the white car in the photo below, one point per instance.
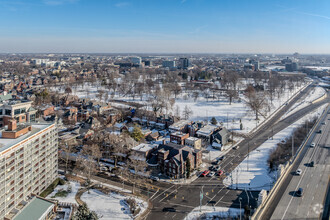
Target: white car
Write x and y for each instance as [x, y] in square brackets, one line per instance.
[211, 174]
[313, 144]
[298, 172]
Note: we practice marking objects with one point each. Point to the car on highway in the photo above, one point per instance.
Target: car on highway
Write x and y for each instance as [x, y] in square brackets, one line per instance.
[313, 144]
[319, 131]
[211, 174]
[311, 164]
[205, 173]
[169, 209]
[219, 173]
[299, 192]
[298, 172]
[323, 123]
[221, 158]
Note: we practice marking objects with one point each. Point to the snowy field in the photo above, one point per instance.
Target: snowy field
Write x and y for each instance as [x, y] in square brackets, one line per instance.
[316, 93]
[210, 213]
[202, 108]
[112, 206]
[70, 198]
[253, 173]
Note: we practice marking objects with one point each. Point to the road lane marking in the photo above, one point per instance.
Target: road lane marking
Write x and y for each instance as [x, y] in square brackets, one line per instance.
[154, 194]
[163, 192]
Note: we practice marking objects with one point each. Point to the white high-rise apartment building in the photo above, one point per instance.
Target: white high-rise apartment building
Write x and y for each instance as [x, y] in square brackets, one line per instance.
[28, 163]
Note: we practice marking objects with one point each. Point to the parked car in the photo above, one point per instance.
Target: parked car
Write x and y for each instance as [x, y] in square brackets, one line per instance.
[205, 173]
[236, 147]
[154, 178]
[299, 192]
[169, 209]
[211, 167]
[219, 173]
[313, 144]
[298, 172]
[211, 174]
[319, 131]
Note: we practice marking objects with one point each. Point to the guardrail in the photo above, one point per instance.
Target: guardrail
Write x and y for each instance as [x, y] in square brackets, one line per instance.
[321, 98]
[260, 210]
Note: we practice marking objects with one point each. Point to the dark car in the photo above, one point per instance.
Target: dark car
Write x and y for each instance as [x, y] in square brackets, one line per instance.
[169, 209]
[311, 164]
[299, 192]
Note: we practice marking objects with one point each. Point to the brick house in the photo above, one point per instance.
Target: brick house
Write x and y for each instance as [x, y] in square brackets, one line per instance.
[171, 159]
[178, 137]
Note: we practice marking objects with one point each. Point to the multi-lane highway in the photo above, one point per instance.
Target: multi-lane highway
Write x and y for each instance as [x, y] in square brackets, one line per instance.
[313, 180]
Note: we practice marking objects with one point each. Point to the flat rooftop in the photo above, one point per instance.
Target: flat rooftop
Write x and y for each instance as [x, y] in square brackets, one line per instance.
[7, 143]
[35, 209]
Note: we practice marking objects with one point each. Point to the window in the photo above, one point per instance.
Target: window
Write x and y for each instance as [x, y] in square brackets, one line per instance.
[33, 118]
[17, 111]
[7, 112]
[23, 117]
[0, 111]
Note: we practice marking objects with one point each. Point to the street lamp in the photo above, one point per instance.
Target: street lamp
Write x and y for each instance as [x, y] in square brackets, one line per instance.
[240, 207]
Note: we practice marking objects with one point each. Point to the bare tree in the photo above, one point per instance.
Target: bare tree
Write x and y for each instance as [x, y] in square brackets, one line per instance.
[187, 112]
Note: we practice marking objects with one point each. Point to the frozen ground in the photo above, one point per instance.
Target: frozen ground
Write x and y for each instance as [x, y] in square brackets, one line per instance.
[202, 108]
[70, 198]
[316, 93]
[252, 173]
[210, 213]
[112, 206]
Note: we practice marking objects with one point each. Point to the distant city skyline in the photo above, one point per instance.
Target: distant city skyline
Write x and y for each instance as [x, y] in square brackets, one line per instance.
[171, 26]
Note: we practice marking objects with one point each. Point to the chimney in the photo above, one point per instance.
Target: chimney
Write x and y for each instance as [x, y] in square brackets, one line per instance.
[12, 125]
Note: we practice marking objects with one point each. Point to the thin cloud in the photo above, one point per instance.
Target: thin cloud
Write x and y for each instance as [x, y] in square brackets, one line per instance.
[58, 2]
[122, 4]
[314, 15]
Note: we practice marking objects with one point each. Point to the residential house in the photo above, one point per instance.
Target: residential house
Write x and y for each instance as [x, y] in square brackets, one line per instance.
[193, 142]
[172, 159]
[181, 126]
[178, 137]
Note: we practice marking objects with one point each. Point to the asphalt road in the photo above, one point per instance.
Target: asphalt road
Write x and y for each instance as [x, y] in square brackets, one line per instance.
[313, 180]
[184, 198]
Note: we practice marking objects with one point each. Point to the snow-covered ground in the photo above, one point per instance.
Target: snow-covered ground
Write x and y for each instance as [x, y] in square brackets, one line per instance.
[70, 198]
[316, 93]
[202, 108]
[210, 213]
[253, 173]
[112, 206]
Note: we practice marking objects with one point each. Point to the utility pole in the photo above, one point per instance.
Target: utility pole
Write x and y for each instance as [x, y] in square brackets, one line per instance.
[248, 155]
[292, 144]
[201, 199]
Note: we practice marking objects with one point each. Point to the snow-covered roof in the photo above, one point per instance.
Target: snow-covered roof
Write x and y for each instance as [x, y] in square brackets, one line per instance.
[178, 125]
[207, 130]
[144, 147]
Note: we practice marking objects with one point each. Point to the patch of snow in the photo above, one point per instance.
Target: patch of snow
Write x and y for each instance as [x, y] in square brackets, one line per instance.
[112, 206]
[70, 198]
[209, 212]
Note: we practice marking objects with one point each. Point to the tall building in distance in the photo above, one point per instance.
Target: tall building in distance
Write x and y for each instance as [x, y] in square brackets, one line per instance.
[28, 163]
[136, 60]
[184, 63]
[169, 64]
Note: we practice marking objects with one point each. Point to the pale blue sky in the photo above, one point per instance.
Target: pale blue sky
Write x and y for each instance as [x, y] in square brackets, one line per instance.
[171, 26]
